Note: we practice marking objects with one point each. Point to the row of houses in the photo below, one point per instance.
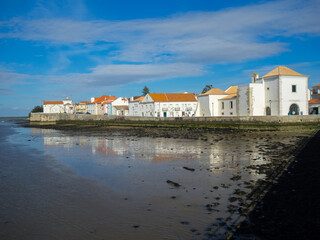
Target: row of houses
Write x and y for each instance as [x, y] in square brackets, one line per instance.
[282, 91]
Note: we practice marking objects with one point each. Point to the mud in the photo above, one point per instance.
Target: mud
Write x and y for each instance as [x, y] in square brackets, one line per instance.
[135, 183]
[290, 210]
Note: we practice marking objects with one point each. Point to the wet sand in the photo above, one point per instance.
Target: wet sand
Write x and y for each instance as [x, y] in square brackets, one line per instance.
[117, 184]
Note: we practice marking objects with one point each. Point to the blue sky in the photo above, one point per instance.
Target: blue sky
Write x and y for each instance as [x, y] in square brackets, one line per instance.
[53, 49]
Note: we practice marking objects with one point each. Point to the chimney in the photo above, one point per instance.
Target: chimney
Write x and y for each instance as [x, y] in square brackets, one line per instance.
[254, 77]
[92, 99]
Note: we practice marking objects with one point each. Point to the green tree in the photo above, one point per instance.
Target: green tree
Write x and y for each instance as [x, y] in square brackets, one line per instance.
[207, 88]
[145, 90]
[37, 109]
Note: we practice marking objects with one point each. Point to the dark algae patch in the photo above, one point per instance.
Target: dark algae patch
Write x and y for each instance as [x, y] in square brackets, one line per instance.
[291, 209]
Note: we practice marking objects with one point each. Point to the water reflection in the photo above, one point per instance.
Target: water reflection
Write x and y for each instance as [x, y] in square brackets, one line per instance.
[138, 169]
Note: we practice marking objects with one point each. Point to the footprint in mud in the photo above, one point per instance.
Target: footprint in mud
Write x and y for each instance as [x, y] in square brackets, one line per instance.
[185, 222]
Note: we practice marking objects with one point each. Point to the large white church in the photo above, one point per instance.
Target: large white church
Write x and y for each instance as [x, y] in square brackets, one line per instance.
[280, 92]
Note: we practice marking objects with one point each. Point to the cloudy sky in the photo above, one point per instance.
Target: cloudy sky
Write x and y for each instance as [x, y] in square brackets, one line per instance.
[53, 49]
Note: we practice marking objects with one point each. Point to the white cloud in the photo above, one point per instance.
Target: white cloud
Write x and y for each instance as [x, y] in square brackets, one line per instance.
[109, 75]
[231, 35]
[181, 45]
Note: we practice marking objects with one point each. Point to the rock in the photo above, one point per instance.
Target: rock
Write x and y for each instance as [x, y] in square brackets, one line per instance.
[173, 183]
[189, 169]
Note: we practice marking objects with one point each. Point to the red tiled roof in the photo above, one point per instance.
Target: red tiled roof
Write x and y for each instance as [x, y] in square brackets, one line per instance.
[316, 86]
[173, 97]
[52, 102]
[103, 98]
[139, 99]
[84, 102]
[314, 101]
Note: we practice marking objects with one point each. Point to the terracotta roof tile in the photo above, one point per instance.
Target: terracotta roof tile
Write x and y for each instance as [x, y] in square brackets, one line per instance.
[103, 98]
[173, 97]
[84, 102]
[52, 102]
[282, 70]
[139, 99]
[232, 90]
[229, 97]
[315, 100]
[316, 86]
[214, 91]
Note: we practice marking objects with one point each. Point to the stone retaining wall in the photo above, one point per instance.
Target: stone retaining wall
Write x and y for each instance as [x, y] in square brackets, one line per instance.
[53, 117]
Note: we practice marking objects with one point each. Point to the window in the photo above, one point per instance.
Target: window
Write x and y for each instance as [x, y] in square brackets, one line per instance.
[222, 113]
[231, 113]
[294, 88]
[222, 106]
[231, 104]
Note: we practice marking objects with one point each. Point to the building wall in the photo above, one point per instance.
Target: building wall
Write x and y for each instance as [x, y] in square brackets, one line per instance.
[134, 109]
[271, 93]
[300, 97]
[228, 107]
[53, 108]
[250, 100]
[51, 117]
[91, 108]
[209, 105]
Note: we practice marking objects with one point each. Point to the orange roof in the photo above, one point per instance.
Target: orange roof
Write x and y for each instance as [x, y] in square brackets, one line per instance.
[316, 86]
[139, 99]
[52, 102]
[214, 91]
[108, 101]
[282, 70]
[103, 98]
[173, 97]
[84, 102]
[232, 90]
[315, 100]
[228, 97]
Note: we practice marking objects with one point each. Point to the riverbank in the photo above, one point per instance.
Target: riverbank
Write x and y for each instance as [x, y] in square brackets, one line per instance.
[282, 154]
[290, 210]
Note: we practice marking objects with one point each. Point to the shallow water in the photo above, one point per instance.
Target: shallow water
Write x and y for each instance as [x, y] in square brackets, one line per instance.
[61, 185]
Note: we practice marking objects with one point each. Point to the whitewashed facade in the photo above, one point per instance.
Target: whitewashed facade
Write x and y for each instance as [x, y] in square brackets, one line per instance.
[65, 106]
[168, 105]
[280, 92]
[118, 107]
[209, 103]
[134, 106]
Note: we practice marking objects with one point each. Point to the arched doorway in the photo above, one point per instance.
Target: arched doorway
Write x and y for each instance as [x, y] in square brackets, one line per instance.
[294, 109]
[268, 111]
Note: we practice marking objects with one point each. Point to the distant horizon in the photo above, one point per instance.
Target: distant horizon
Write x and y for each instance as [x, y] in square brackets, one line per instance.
[83, 49]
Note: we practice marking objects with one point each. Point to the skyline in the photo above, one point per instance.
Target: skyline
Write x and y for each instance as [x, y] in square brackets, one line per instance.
[84, 49]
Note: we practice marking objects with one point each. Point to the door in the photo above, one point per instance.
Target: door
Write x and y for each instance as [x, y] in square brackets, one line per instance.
[268, 111]
[164, 114]
[294, 109]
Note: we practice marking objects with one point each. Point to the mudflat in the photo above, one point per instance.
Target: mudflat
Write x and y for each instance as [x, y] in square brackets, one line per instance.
[152, 183]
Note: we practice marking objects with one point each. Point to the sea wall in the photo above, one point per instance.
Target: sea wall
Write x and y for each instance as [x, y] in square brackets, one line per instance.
[53, 117]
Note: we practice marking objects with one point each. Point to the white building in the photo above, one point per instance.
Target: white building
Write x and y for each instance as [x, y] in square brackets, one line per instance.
[280, 92]
[118, 107]
[134, 106]
[65, 106]
[209, 102]
[168, 105]
[228, 105]
[314, 102]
